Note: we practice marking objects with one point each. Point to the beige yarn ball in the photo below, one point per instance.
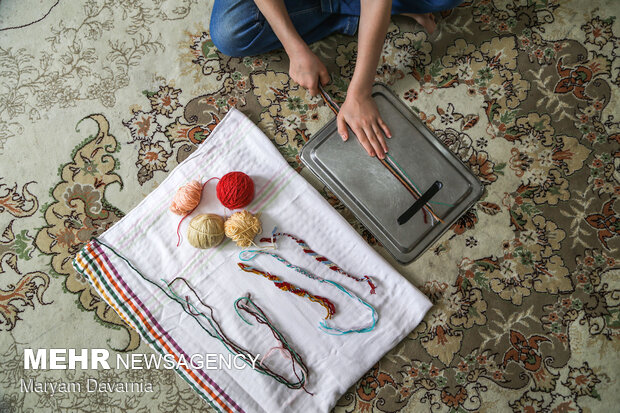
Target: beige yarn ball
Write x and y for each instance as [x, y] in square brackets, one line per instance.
[205, 231]
[242, 227]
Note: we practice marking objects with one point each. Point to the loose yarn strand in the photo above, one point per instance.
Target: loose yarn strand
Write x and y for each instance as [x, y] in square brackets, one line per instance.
[259, 315]
[328, 100]
[286, 354]
[411, 190]
[339, 332]
[190, 212]
[322, 325]
[391, 158]
[217, 331]
[230, 345]
[234, 348]
[285, 286]
[282, 351]
[320, 258]
[400, 174]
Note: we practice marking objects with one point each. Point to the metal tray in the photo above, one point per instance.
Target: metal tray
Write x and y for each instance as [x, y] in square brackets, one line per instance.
[375, 196]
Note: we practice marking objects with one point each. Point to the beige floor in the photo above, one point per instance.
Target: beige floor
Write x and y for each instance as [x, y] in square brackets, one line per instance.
[526, 284]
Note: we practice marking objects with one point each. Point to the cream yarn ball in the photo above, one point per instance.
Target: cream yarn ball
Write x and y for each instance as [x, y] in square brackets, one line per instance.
[205, 231]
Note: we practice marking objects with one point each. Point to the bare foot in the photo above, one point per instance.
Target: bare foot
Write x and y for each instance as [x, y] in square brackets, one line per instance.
[426, 20]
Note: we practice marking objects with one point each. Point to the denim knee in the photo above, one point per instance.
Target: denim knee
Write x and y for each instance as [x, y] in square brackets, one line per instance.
[226, 40]
[441, 5]
[233, 32]
[423, 6]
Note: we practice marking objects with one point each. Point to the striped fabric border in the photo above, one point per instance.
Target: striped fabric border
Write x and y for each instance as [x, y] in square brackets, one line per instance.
[95, 265]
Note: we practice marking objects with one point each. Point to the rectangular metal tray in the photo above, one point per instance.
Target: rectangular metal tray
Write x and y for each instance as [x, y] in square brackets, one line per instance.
[375, 196]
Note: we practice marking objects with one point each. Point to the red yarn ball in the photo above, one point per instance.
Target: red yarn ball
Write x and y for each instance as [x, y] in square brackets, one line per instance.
[235, 190]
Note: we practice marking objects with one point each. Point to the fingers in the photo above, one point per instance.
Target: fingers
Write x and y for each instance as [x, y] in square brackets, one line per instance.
[313, 87]
[385, 128]
[342, 127]
[363, 139]
[379, 135]
[363, 118]
[324, 77]
[369, 135]
[373, 139]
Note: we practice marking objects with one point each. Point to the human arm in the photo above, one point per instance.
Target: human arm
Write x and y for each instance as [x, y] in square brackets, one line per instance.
[305, 67]
[359, 110]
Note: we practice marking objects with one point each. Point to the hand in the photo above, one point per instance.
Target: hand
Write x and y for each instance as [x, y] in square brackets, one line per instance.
[308, 70]
[362, 116]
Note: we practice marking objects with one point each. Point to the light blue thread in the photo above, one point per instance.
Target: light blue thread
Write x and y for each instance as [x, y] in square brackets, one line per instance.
[325, 328]
[218, 333]
[256, 252]
[237, 310]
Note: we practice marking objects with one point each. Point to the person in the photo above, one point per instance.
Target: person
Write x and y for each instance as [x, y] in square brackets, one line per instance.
[250, 27]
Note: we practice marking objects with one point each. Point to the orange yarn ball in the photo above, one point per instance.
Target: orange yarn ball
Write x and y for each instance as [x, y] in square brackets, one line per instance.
[187, 198]
[235, 190]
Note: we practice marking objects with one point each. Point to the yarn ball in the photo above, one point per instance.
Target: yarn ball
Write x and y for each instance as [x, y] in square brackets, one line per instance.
[235, 190]
[205, 231]
[187, 198]
[242, 227]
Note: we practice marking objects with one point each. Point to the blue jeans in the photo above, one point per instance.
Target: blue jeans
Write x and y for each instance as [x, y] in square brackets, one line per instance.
[238, 28]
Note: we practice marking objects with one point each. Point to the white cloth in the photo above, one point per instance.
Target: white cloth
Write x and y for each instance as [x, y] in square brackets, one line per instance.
[147, 238]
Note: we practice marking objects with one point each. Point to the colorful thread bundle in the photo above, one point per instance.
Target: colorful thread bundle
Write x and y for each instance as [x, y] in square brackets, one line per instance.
[242, 227]
[320, 258]
[259, 315]
[235, 190]
[322, 325]
[217, 331]
[329, 101]
[395, 169]
[392, 166]
[285, 286]
[233, 347]
[205, 231]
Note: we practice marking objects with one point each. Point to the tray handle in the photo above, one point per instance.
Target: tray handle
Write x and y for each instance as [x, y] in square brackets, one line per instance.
[420, 202]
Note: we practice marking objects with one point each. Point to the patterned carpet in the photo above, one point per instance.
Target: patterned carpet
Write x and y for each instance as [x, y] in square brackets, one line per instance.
[101, 99]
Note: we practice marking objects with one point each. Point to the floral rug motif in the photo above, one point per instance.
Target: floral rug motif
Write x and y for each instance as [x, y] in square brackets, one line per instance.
[526, 285]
